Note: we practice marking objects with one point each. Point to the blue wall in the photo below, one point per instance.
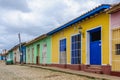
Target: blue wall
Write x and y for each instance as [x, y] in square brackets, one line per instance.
[23, 56]
[1, 57]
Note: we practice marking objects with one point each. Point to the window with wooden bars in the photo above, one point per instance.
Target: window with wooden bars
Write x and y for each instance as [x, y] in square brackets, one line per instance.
[117, 49]
[76, 49]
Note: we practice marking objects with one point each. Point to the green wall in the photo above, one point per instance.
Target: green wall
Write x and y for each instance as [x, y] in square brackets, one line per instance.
[10, 55]
[46, 40]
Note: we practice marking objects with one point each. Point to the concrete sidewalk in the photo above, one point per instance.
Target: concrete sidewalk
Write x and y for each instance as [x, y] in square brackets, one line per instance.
[79, 73]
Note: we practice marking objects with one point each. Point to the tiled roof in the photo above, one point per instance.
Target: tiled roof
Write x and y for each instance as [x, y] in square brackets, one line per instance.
[82, 17]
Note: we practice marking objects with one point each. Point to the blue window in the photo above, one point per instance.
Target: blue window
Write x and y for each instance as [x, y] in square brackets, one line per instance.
[63, 51]
[62, 45]
[76, 49]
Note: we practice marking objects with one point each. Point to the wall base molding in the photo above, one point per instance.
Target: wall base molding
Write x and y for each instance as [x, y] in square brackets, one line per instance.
[105, 69]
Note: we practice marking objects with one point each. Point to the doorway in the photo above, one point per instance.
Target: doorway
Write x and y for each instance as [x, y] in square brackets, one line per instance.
[44, 53]
[95, 46]
[32, 55]
[38, 53]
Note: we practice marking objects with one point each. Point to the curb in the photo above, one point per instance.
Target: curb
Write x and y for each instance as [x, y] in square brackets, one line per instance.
[67, 72]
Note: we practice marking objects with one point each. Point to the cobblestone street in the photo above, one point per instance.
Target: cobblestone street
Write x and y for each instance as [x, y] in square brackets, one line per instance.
[16, 72]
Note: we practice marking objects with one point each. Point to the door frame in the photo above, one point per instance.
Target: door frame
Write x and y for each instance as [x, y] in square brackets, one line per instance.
[32, 54]
[15, 57]
[38, 54]
[44, 58]
[88, 44]
[59, 50]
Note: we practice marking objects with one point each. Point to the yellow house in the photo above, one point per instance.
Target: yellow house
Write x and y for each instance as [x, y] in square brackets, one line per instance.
[115, 38]
[83, 43]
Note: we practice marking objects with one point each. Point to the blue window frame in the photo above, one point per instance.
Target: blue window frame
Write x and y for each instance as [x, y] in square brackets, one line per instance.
[63, 51]
[76, 49]
[62, 45]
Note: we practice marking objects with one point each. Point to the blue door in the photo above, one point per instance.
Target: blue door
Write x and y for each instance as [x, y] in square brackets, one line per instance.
[95, 47]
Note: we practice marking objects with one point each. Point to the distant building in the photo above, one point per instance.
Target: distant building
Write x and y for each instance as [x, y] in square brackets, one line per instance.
[38, 50]
[1, 57]
[16, 54]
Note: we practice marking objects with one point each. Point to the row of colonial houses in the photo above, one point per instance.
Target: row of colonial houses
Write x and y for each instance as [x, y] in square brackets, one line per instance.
[91, 43]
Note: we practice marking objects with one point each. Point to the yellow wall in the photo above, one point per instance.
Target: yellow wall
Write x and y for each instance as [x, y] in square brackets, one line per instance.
[99, 20]
[115, 57]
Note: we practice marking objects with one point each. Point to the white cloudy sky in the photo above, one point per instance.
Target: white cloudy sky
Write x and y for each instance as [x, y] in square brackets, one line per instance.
[34, 17]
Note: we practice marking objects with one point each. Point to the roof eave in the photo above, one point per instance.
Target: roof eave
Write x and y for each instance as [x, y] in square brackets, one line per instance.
[114, 8]
[36, 39]
[88, 14]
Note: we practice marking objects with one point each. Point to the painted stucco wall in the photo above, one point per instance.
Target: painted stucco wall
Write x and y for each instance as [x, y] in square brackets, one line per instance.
[10, 55]
[17, 55]
[101, 19]
[115, 20]
[46, 40]
[1, 58]
[14, 56]
[115, 27]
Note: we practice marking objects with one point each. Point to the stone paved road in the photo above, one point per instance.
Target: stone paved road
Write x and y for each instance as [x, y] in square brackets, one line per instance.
[16, 72]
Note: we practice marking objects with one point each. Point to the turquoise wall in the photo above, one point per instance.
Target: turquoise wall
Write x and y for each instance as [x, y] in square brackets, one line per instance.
[10, 55]
[41, 42]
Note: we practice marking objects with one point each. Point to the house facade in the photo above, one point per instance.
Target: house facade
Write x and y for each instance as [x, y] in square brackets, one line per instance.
[17, 55]
[115, 38]
[1, 57]
[38, 51]
[9, 55]
[89, 43]
[23, 57]
[20, 53]
[3, 54]
[83, 42]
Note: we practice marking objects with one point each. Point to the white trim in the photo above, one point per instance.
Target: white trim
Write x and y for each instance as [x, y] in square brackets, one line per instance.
[88, 42]
[81, 47]
[94, 28]
[71, 46]
[51, 49]
[104, 64]
[59, 51]
[62, 38]
[110, 41]
[101, 46]
[87, 48]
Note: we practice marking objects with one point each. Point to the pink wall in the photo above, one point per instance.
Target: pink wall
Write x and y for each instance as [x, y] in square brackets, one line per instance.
[115, 19]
